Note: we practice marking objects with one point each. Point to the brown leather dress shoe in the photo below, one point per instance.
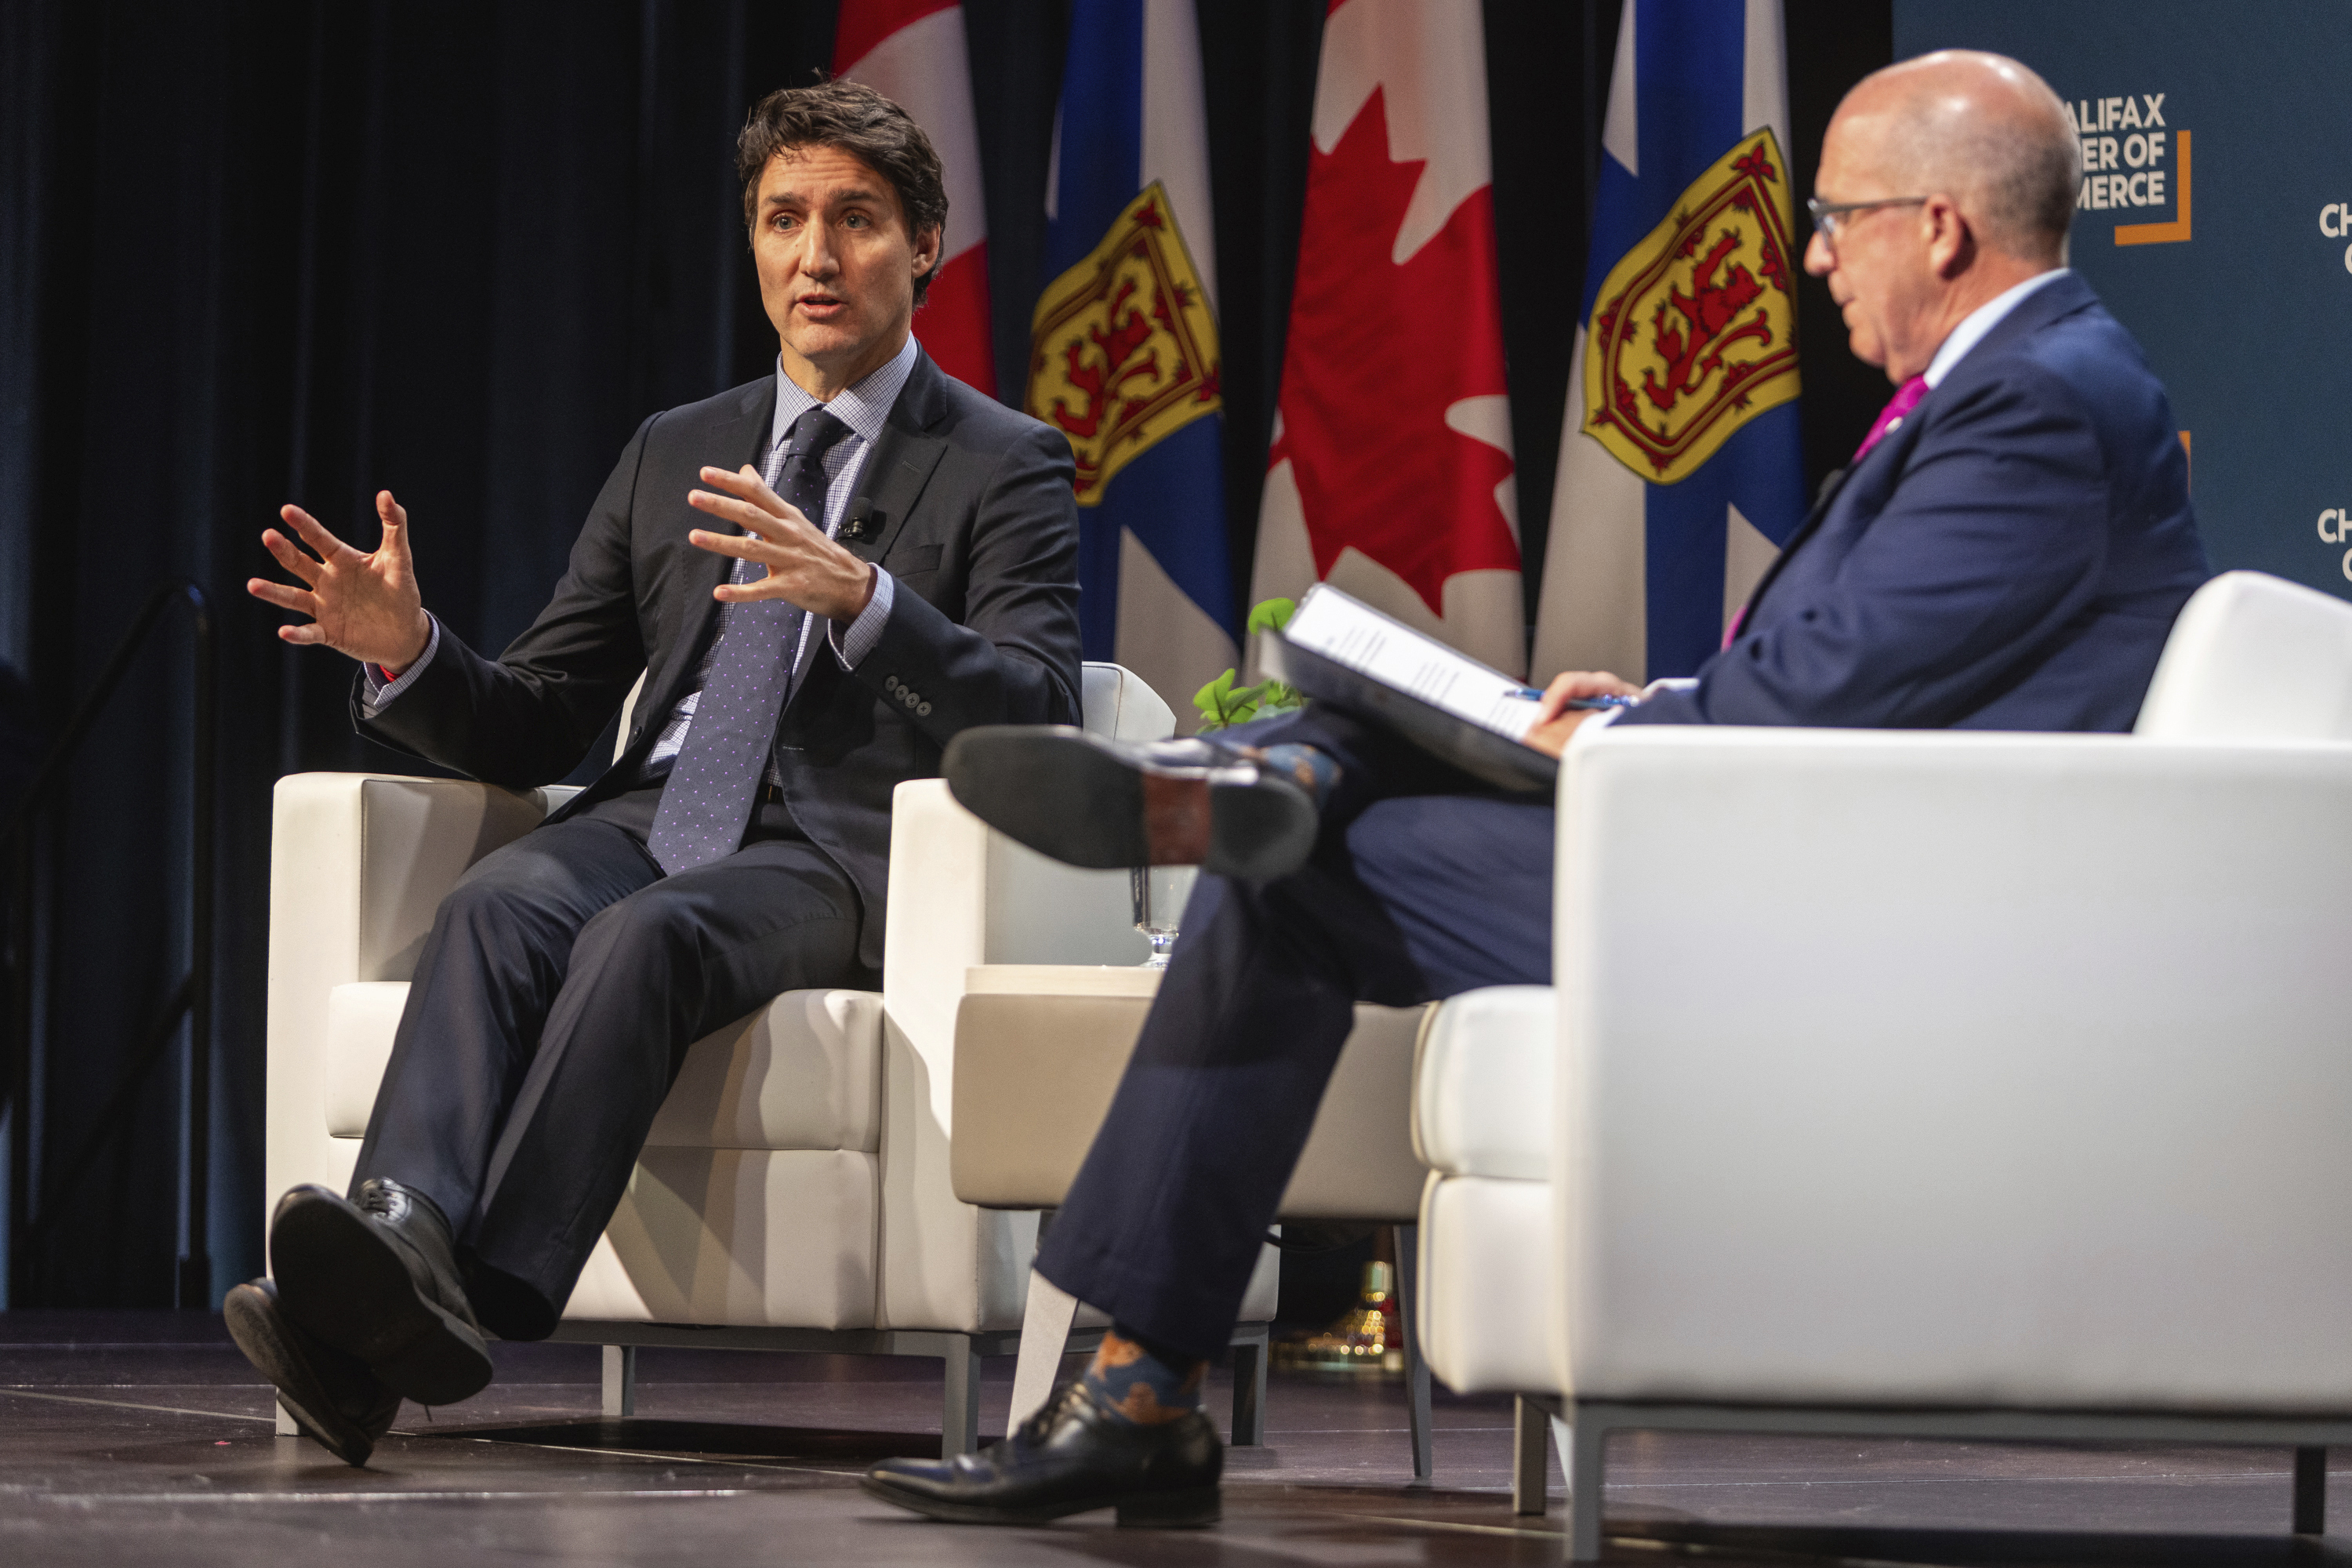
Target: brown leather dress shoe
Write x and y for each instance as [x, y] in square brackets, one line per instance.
[1072, 1457]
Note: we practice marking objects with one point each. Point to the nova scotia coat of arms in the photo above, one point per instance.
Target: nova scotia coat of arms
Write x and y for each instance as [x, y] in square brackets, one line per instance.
[1124, 349]
[1695, 330]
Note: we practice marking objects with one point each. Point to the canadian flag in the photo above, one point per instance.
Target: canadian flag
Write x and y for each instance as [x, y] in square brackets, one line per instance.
[1390, 474]
[912, 52]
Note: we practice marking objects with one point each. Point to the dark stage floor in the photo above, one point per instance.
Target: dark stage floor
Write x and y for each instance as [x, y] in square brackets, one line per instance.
[144, 1437]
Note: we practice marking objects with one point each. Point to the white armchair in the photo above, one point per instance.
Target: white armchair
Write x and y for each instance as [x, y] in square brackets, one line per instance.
[1959, 1084]
[793, 1194]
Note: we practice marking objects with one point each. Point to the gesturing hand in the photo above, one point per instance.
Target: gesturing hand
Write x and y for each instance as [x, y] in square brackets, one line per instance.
[805, 567]
[363, 604]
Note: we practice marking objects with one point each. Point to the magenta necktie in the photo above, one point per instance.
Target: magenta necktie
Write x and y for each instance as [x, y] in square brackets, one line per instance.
[1906, 398]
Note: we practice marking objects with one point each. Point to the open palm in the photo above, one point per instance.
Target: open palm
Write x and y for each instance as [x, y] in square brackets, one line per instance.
[366, 605]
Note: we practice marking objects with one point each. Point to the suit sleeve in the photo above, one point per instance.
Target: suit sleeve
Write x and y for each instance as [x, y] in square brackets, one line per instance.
[529, 715]
[1989, 544]
[1013, 660]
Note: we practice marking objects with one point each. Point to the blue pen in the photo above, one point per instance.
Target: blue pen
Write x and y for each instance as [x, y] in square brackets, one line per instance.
[1531, 694]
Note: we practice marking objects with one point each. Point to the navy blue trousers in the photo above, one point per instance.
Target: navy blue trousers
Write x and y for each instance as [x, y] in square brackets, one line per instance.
[1423, 883]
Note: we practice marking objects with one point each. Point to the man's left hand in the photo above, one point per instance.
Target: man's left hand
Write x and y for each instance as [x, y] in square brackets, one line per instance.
[805, 567]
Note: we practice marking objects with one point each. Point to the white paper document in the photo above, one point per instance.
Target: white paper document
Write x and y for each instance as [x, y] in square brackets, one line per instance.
[1350, 632]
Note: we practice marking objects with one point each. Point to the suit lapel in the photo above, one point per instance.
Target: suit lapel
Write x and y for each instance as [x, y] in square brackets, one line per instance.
[2060, 297]
[1832, 483]
[892, 480]
[742, 437]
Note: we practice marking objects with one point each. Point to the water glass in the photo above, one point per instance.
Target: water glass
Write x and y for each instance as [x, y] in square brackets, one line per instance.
[1160, 895]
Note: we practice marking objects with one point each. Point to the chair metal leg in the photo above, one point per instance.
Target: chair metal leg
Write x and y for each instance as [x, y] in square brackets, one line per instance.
[1250, 1344]
[1583, 1453]
[620, 1382]
[286, 1427]
[1416, 1370]
[1531, 1456]
[2311, 1491]
[1045, 1322]
[959, 1406]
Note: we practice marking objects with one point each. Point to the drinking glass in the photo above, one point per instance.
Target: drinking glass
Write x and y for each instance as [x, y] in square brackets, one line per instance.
[1160, 895]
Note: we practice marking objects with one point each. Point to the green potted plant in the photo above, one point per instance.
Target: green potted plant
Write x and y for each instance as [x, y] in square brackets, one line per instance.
[1223, 704]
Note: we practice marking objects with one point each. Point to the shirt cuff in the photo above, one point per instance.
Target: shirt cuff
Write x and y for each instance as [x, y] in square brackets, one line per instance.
[853, 642]
[380, 691]
[1592, 727]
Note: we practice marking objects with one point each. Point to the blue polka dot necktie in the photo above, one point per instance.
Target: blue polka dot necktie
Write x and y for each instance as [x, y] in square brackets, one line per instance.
[713, 785]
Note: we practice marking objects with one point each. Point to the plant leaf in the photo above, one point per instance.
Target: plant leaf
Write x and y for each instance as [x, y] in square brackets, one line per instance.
[1273, 613]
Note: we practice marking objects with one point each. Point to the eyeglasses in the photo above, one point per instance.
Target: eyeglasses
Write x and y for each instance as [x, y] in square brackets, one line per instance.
[1825, 215]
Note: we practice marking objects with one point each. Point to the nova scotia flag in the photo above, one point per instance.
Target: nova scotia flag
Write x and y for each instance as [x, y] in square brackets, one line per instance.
[1680, 474]
[1124, 358]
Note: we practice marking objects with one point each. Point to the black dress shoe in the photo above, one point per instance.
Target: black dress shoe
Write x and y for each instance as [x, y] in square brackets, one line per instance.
[1072, 1457]
[333, 1397]
[377, 1280]
[1088, 801]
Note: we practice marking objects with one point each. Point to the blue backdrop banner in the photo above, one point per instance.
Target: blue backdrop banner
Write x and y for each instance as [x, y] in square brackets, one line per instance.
[2216, 222]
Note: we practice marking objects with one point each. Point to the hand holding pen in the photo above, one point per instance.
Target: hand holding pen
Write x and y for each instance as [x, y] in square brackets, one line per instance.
[1570, 700]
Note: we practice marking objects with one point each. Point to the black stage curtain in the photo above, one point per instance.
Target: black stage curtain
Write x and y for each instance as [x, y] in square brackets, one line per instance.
[258, 251]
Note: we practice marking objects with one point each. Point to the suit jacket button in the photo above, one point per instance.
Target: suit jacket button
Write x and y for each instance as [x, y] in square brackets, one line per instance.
[922, 710]
[890, 683]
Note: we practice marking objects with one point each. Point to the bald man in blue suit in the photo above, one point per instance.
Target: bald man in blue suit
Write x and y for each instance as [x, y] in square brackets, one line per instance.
[2007, 551]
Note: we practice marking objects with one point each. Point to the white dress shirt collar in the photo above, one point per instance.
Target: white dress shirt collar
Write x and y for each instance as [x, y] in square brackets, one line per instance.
[1982, 320]
[865, 406]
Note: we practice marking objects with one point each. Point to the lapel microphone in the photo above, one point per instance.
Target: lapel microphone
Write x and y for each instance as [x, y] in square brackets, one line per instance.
[863, 521]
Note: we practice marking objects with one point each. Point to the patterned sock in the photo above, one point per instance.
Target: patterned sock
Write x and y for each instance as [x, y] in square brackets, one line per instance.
[1148, 1387]
[1303, 765]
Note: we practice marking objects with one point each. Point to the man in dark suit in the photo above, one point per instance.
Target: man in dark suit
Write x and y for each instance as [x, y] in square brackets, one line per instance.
[894, 560]
[2007, 551]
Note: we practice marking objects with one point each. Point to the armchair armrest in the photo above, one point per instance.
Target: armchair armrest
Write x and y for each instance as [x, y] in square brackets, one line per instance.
[1954, 1068]
[962, 894]
[358, 864]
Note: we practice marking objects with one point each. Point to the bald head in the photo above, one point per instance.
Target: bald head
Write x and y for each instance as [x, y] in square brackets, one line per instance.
[1982, 129]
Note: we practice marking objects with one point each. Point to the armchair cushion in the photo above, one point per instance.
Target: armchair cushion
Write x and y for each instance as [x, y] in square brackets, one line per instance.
[1482, 1096]
[803, 1072]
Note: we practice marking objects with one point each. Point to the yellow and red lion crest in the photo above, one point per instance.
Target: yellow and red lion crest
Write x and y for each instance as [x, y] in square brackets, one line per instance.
[1695, 330]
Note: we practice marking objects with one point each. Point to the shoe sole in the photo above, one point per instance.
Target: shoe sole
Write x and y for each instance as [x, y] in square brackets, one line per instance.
[1067, 795]
[340, 1278]
[1190, 1510]
[274, 1354]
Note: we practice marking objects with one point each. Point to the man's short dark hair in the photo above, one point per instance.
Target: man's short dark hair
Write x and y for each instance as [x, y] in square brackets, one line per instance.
[858, 121]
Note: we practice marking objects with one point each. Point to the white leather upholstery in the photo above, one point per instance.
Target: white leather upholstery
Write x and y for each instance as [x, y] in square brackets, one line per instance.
[1954, 1068]
[2254, 658]
[782, 1184]
[1485, 1283]
[1483, 1086]
[747, 1238]
[803, 1072]
[360, 1020]
[1937, 1069]
[1482, 1120]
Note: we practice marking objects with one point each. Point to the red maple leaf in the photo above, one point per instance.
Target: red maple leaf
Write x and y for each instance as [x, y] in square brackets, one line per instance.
[1377, 353]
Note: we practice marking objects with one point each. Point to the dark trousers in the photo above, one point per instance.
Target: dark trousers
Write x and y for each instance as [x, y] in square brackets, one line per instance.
[1424, 883]
[552, 1004]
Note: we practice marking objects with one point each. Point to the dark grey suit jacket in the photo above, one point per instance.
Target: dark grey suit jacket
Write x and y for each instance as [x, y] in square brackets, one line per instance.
[966, 503]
